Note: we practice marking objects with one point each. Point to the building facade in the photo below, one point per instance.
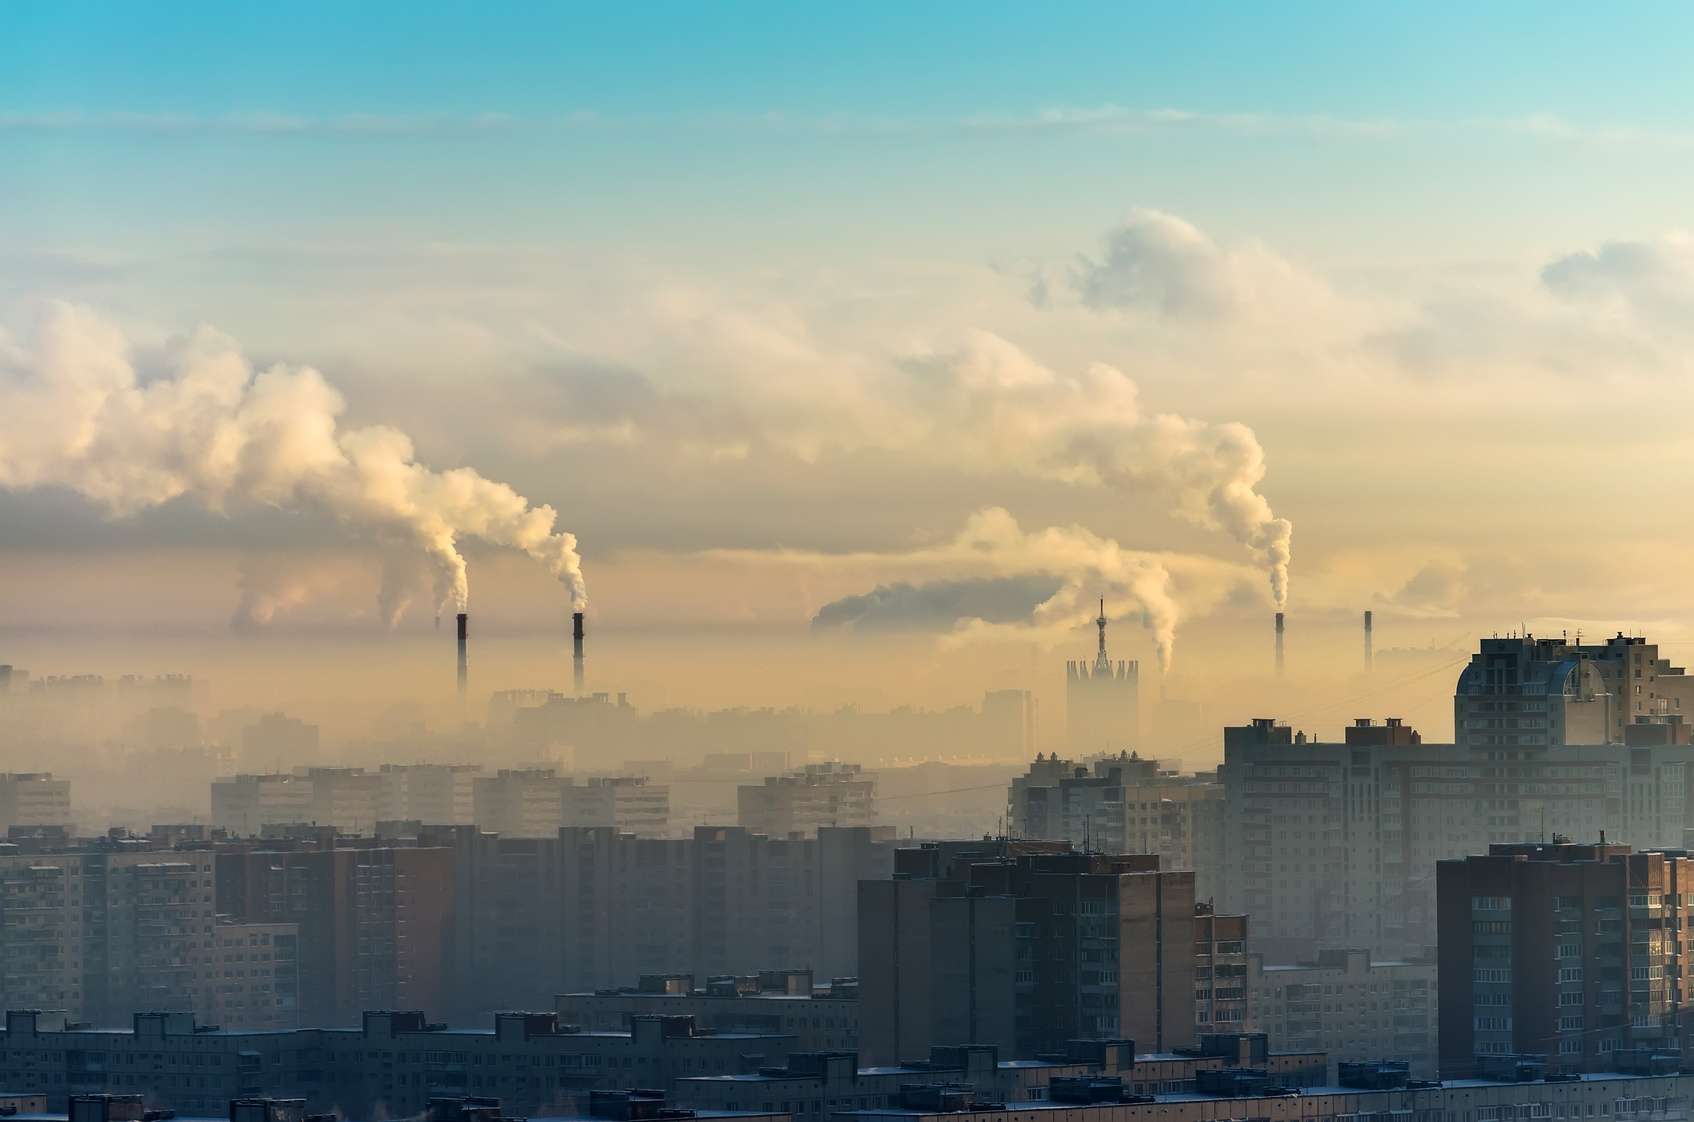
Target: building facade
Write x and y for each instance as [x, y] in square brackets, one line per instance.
[1571, 951]
[1349, 1006]
[803, 801]
[1024, 946]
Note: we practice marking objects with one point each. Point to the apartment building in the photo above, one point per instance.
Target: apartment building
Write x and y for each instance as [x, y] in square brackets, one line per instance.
[439, 794]
[629, 803]
[1567, 950]
[1221, 997]
[519, 802]
[592, 908]
[1335, 845]
[1523, 692]
[33, 798]
[1122, 803]
[773, 1001]
[1024, 946]
[393, 1062]
[105, 930]
[245, 804]
[1349, 1006]
[374, 922]
[803, 801]
[255, 979]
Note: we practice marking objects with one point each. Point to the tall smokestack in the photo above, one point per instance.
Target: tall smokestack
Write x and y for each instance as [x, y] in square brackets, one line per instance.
[464, 662]
[1279, 644]
[1370, 654]
[576, 650]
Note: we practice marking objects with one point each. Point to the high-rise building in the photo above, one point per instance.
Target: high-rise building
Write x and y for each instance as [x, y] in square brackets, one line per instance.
[1123, 804]
[594, 908]
[437, 794]
[1024, 945]
[1102, 700]
[1221, 996]
[375, 923]
[803, 801]
[1335, 845]
[1574, 952]
[255, 979]
[1524, 692]
[245, 804]
[629, 803]
[348, 798]
[33, 799]
[519, 802]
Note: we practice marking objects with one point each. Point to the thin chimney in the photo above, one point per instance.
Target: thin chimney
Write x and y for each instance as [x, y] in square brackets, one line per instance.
[464, 662]
[1279, 644]
[1370, 653]
[576, 651]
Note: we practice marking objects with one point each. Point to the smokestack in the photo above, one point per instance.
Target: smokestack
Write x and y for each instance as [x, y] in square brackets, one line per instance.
[576, 650]
[464, 663]
[1370, 655]
[1279, 644]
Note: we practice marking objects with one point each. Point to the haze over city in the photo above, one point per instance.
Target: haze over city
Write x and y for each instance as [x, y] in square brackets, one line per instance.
[658, 528]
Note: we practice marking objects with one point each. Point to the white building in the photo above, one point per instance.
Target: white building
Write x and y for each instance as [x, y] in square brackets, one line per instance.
[245, 804]
[434, 794]
[629, 803]
[33, 798]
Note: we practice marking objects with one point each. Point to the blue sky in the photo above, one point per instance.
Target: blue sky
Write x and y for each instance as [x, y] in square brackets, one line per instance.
[885, 107]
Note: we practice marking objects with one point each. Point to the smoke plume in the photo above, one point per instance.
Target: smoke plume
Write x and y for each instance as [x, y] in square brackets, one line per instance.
[75, 413]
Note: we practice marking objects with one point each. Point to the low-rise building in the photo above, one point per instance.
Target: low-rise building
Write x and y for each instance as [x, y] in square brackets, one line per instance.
[395, 1062]
[775, 1001]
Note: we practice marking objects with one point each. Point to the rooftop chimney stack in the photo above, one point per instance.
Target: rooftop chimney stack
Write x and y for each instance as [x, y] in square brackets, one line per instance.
[1279, 644]
[1370, 653]
[576, 651]
[464, 663]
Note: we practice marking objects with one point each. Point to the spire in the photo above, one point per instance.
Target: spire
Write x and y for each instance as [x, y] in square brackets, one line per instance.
[1101, 662]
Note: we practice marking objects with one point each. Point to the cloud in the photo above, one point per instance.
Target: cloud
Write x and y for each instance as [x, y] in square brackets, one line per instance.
[1650, 278]
[940, 605]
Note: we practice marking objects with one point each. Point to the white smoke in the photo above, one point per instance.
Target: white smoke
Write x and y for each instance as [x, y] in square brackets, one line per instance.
[1090, 426]
[1086, 566]
[75, 413]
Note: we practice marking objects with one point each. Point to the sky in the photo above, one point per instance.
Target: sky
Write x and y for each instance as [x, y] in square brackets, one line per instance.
[825, 322]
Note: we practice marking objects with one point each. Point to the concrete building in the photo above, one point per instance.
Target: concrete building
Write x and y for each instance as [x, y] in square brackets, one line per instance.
[1524, 692]
[774, 1001]
[1221, 998]
[374, 923]
[817, 1086]
[519, 802]
[803, 801]
[245, 804]
[628, 803]
[1366, 1091]
[438, 794]
[33, 799]
[593, 907]
[1102, 700]
[1024, 946]
[348, 798]
[105, 930]
[1347, 1005]
[1570, 951]
[255, 978]
[1123, 804]
[394, 1062]
[1009, 724]
[1335, 845]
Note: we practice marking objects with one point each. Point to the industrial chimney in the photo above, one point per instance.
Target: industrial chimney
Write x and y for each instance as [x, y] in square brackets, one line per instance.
[1279, 644]
[576, 651]
[464, 664]
[1370, 654]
